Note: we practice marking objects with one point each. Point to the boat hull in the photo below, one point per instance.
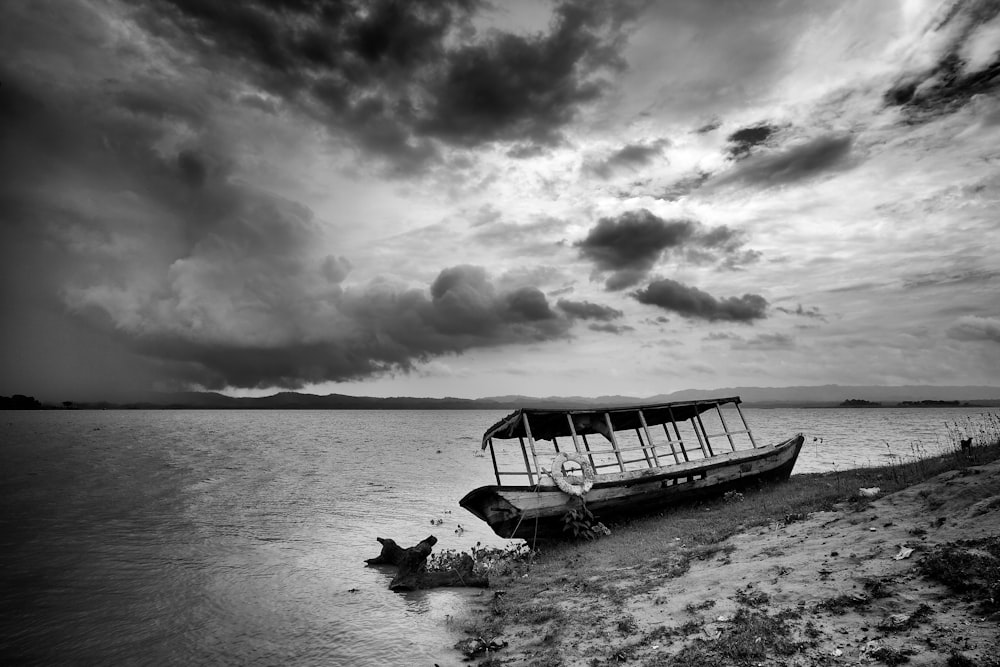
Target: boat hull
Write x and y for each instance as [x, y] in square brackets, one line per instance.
[536, 513]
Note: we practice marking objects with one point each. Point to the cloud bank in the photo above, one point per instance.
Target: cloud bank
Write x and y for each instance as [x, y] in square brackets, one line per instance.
[396, 78]
[694, 303]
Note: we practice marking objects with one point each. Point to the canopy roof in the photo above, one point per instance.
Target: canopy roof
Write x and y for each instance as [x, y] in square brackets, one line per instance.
[548, 424]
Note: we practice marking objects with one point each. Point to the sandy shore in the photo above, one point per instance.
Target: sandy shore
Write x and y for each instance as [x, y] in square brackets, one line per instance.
[830, 588]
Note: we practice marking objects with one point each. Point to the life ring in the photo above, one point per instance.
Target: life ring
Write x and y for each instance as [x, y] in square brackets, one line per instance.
[574, 485]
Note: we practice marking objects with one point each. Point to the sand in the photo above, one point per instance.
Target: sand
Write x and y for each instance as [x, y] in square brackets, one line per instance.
[830, 588]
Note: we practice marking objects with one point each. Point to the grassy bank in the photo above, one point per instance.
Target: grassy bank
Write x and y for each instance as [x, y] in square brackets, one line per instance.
[552, 603]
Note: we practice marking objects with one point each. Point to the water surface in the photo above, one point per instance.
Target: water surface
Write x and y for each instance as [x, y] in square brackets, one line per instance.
[238, 537]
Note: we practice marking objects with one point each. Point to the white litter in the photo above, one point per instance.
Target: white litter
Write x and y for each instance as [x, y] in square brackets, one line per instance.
[904, 552]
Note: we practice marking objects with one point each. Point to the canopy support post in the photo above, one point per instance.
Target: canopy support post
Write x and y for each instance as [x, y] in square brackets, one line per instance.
[695, 423]
[531, 443]
[496, 468]
[586, 445]
[644, 447]
[680, 440]
[725, 427]
[649, 438]
[527, 465]
[614, 441]
[576, 440]
[745, 425]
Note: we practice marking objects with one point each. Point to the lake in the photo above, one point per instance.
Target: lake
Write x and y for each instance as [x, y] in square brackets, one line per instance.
[239, 537]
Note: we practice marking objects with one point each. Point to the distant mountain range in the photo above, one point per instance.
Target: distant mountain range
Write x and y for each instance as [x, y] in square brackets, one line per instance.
[811, 396]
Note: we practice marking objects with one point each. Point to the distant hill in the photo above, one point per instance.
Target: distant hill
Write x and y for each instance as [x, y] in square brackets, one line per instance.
[803, 396]
[289, 400]
[832, 394]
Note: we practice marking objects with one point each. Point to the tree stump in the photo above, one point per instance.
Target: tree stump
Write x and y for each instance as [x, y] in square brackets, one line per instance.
[412, 563]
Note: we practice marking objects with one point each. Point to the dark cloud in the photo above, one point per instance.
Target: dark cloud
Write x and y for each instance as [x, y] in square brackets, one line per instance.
[607, 327]
[528, 304]
[791, 164]
[634, 239]
[735, 261]
[515, 87]
[974, 328]
[746, 139]
[144, 245]
[585, 310]
[627, 247]
[684, 186]
[335, 269]
[799, 311]
[523, 151]
[629, 157]
[394, 75]
[711, 126]
[866, 286]
[955, 277]
[952, 82]
[693, 303]
[722, 237]
[363, 332]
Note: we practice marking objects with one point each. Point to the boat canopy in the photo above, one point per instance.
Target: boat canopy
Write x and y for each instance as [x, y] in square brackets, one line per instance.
[546, 424]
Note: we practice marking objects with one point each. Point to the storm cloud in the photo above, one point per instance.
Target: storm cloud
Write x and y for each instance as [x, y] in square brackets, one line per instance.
[628, 158]
[967, 65]
[180, 268]
[608, 327]
[694, 303]
[351, 334]
[629, 246]
[973, 328]
[585, 310]
[395, 76]
[791, 164]
[799, 311]
[742, 141]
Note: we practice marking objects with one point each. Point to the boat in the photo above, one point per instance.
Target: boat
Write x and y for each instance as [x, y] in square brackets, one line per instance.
[618, 462]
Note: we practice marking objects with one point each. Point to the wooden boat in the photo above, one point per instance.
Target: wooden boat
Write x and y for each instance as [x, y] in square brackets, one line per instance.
[609, 460]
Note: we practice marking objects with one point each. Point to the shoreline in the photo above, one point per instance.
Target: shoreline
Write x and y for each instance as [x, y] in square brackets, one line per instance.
[862, 581]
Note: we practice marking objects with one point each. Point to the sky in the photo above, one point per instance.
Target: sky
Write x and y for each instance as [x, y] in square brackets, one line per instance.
[473, 199]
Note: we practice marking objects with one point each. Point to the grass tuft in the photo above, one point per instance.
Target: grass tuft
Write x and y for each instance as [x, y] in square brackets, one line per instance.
[971, 567]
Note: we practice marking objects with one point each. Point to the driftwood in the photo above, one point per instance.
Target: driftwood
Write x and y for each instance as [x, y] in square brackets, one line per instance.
[392, 553]
[412, 564]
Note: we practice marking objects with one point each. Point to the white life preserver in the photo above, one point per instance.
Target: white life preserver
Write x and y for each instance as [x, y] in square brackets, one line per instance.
[573, 485]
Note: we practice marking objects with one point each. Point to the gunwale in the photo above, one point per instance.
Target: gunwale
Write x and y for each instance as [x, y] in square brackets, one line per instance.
[671, 471]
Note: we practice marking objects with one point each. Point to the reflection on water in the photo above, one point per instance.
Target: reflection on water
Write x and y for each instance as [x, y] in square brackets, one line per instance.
[202, 537]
